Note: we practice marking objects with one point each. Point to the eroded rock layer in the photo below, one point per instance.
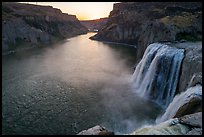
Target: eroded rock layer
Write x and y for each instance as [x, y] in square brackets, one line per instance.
[34, 24]
[142, 23]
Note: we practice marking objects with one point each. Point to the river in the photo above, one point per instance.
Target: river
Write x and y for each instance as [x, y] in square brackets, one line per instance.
[71, 86]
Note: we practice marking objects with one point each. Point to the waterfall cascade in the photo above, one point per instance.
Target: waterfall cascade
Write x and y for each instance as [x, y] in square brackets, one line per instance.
[179, 101]
[156, 75]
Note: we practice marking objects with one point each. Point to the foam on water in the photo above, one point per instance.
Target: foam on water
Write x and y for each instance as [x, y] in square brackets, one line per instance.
[156, 75]
[179, 100]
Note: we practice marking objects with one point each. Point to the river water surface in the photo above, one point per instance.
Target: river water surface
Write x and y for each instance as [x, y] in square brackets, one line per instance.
[71, 86]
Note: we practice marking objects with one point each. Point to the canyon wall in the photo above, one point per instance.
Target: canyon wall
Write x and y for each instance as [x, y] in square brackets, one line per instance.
[34, 24]
[191, 69]
[142, 23]
[94, 25]
[173, 24]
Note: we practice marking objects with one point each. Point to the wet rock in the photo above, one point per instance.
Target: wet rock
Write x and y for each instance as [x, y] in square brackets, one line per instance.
[195, 131]
[196, 79]
[186, 125]
[194, 120]
[96, 130]
[191, 69]
[170, 127]
[193, 106]
[187, 102]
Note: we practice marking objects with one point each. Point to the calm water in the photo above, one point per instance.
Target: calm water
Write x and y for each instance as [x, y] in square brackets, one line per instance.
[71, 86]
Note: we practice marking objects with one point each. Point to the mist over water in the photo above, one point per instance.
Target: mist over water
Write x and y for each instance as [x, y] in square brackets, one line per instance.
[71, 86]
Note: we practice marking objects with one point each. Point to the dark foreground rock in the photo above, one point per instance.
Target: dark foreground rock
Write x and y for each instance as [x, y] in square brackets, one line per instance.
[194, 120]
[186, 125]
[97, 130]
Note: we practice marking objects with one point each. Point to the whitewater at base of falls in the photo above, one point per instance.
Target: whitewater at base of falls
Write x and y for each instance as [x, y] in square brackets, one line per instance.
[156, 75]
[169, 127]
[180, 100]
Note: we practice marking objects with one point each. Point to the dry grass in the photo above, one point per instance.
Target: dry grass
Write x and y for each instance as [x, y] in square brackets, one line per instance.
[180, 21]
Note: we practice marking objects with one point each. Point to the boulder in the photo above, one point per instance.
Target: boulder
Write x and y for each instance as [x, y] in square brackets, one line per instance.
[194, 120]
[170, 127]
[194, 105]
[96, 130]
[187, 102]
[195, 131]
[186, 125]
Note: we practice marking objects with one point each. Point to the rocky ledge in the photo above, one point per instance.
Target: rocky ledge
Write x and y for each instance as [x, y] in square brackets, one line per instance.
[184, 115]
[186, 125]
[191, 69]
[142, 23]
[31, 25]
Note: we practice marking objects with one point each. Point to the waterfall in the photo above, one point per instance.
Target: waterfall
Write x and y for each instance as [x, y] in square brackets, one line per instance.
[156, 75]
[179, 101]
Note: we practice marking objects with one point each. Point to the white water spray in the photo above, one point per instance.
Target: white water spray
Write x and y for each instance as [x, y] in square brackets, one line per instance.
[180, 100]
[156, 75]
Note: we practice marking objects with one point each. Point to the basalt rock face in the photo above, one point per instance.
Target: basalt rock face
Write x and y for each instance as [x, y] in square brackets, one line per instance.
[191, 69]
[142, 23]
[149, 75]
[187, 102]
[94, 25]
[34, 24]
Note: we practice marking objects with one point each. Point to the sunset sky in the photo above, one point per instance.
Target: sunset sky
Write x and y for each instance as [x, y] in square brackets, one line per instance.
[83, 10]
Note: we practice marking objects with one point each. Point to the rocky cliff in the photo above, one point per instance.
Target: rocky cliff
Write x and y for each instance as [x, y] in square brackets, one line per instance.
[184, 114]
[191, 69]
[94, 25]
[171, 23]
[142, 23]
[27, 24]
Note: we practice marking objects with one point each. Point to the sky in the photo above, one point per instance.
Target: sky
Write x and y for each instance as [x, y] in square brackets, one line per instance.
[82, 10]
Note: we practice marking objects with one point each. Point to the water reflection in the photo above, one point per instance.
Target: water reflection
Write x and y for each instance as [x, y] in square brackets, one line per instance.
[71, 86]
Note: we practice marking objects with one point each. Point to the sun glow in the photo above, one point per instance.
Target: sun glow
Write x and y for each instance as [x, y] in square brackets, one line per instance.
[82, 10]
